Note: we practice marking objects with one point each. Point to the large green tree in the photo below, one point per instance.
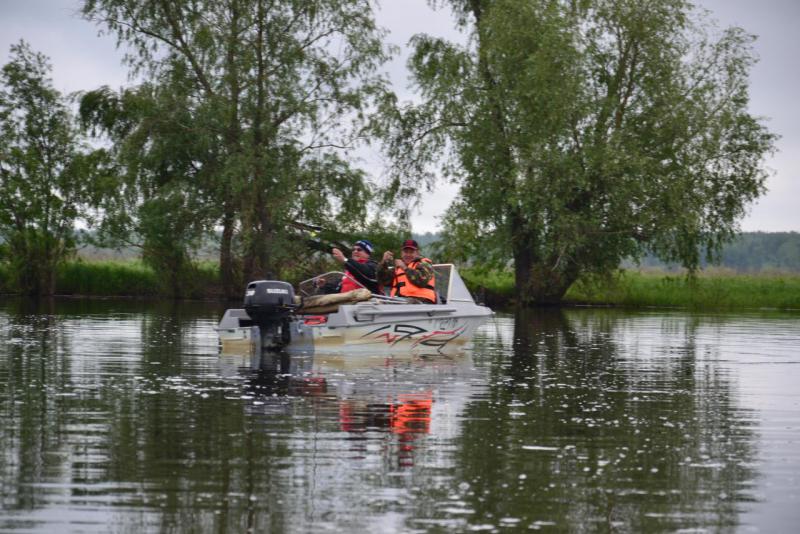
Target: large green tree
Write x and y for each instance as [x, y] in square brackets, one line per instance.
[250, 108]
[164, 200]
[584, 132]
[47, 173]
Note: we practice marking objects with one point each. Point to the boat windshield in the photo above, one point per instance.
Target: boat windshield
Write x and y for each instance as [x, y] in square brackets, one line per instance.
[322, 284]
[450, 285]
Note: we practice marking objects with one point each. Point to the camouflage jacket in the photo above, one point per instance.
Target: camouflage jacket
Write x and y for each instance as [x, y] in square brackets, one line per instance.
[419, 276]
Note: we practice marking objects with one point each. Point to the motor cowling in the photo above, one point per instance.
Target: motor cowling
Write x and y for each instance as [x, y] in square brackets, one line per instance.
[269, 303]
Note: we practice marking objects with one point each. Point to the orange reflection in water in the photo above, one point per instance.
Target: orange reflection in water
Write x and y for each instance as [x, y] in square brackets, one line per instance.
[409, 418]
[411, 414]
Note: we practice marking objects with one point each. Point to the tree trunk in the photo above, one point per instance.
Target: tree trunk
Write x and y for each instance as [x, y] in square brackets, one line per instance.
[233, 136]
[539, 281]
[175, 283]
[264, 239]
[225, 250]
[50, 281]
[257, 238]
[258, 227]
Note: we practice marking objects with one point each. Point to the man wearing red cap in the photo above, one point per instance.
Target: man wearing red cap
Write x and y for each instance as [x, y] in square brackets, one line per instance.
[411, 277]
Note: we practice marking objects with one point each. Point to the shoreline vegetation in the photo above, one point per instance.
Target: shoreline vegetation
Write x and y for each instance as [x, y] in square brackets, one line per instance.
[711, 289]
[125, 278]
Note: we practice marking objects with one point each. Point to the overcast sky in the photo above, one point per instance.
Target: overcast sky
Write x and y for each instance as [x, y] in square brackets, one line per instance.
[83, 60]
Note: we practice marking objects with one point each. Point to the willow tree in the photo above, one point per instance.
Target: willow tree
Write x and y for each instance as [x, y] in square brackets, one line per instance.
[272, 94]
[47, 173]
[585, 132]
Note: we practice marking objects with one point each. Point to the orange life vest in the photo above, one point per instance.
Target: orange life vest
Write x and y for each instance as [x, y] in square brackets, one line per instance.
[402, 287]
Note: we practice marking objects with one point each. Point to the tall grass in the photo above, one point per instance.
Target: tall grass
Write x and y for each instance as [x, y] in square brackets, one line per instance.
[132, 278]
[4, 278]
[712, 289]
[107, 278]
[709, 290]
[492, 287]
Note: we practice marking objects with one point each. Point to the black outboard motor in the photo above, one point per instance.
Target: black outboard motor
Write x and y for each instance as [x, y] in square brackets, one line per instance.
[270, 303]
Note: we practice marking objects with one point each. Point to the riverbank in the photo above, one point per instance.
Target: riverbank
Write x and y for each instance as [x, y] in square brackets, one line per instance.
[126, 278]
[710, 290]
[714, 289]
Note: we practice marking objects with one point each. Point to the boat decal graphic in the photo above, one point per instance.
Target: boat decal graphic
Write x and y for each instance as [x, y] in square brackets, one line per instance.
[397, 334]
[384, 327]
[394, 334]
[439, 338]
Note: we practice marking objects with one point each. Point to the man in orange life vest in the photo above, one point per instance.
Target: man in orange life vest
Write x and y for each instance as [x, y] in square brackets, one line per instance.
[411, 277]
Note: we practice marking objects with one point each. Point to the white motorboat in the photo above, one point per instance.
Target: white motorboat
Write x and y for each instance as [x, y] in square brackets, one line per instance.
[275, 319]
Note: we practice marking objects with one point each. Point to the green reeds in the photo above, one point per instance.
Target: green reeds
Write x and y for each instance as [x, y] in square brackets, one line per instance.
[707, 290]
[712, 289]
[107, 278]
[492, 287]
[132, 278]
[4, 278]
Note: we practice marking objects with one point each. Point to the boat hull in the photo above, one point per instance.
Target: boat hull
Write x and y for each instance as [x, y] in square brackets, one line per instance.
[376, 325]
[422, 330]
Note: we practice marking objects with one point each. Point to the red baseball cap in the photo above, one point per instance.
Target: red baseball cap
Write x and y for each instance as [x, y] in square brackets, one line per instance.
[410, 243]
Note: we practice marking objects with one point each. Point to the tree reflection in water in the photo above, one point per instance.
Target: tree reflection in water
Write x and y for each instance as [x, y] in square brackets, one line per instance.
[585, 422]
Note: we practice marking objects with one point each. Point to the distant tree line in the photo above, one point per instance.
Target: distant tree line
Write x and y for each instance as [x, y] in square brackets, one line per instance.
[749, 252]
[753, 252]
[580, 134]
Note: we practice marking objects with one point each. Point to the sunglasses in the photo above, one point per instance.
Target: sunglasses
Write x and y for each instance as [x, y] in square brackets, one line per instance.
[358, 249]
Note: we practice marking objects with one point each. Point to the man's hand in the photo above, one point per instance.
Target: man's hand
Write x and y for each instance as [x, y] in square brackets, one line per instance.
[338, 255]
[388, 256]
[400, 264]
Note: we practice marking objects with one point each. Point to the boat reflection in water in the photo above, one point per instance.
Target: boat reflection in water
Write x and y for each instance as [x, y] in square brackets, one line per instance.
[396, 400]
[408, 417]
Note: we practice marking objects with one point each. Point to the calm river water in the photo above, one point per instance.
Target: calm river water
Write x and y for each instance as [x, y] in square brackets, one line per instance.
[122, 416]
